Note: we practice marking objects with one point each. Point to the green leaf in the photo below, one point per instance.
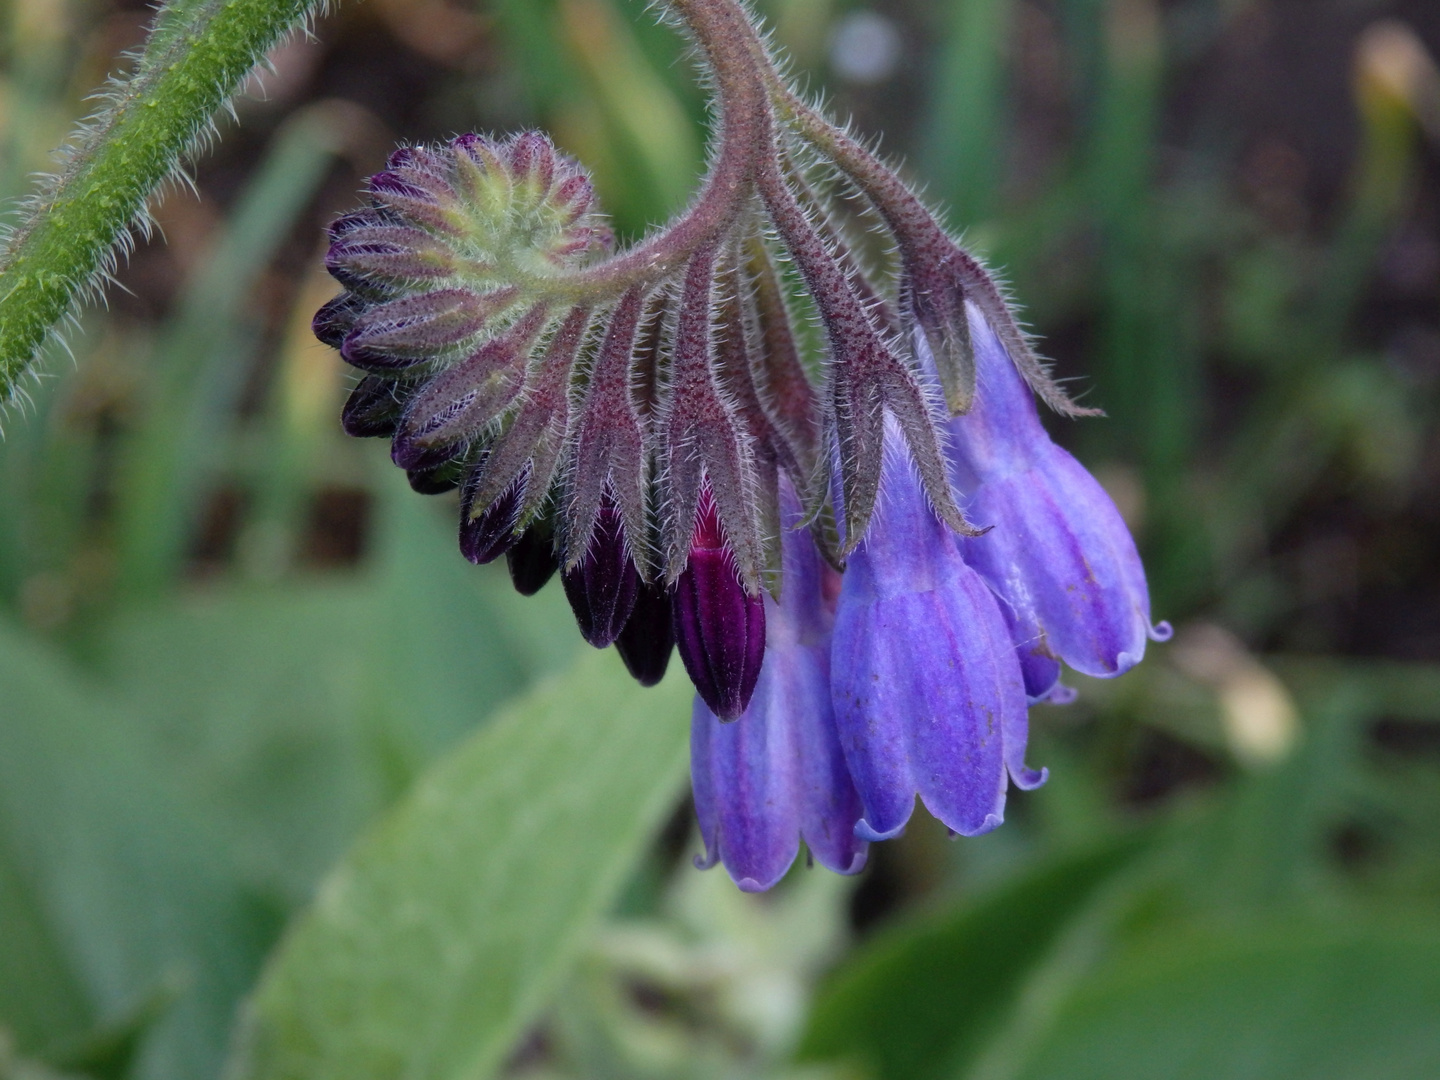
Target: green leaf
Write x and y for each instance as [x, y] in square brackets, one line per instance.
[437, 941]
[116, 893]
[967, 107]
[921, 999]
[196, 55]
[1291, 1004]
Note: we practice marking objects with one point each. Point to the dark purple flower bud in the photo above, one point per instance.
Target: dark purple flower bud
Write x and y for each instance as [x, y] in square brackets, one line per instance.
[1058, 554]
[601, 587]
[532, 561]
[422, 326]
[649, 636]
[373, 408]
[928, 692]
[490, 533]
[336, 319]
[437, 481]
[778, 775]
[418, 158]
[719, 627]
[414, 457]
[421, 196]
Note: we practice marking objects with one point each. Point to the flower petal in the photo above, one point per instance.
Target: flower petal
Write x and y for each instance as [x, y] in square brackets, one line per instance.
[925, 680]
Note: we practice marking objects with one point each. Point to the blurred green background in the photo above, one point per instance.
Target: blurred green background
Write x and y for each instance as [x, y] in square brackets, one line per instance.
[232, 641]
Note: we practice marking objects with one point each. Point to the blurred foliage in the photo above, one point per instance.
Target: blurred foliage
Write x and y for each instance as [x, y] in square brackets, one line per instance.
[243, 668]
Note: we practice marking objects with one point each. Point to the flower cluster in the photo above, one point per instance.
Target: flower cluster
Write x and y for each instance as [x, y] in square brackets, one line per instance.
[870, 563]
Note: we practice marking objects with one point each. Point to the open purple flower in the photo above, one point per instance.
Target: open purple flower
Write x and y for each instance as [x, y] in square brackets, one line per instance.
[1059, 553]
[777, 774]
[928, 691]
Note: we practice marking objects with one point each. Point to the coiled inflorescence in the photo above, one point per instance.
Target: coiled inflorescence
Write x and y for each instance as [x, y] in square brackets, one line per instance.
[647, 420]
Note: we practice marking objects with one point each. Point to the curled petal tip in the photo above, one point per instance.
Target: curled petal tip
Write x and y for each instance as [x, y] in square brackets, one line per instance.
[863, 831]
[991, 823]
[750, 885]
[706, 861]
[1028, 779]
[1060, 694]
[1161, 631]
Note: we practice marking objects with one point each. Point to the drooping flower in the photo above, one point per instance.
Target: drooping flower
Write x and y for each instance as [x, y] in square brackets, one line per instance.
[777, 774]
[1059, 554]
[928, 691]
[647, 423]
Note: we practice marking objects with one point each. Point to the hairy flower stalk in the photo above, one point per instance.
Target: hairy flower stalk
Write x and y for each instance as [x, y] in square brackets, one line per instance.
[870, 562]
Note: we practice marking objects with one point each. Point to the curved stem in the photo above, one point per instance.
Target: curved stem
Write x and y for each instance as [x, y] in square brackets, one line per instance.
[721, 30]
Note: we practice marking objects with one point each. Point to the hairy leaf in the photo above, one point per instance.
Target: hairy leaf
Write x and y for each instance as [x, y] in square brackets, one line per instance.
[438, 940]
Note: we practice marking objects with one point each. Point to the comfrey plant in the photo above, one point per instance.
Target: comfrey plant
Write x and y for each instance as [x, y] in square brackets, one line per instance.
[871, 566]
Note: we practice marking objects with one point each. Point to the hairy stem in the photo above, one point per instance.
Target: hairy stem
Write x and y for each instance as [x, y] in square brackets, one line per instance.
[920, 236]
[721, 30]
[197, 54]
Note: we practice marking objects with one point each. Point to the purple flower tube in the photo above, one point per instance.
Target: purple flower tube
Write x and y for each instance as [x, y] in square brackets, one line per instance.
[926, 683]
[1059, 554]
[777, 775]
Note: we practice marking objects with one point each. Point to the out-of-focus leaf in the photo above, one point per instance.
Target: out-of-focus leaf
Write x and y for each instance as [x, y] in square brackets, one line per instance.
[40, 999]
[920, 1000]
[967, 108]
[200, 362]
[298, 712]
[433, 945]
[116, 890]
[1289, 1005]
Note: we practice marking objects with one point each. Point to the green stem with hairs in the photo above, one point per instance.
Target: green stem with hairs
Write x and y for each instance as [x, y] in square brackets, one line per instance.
[196, 56]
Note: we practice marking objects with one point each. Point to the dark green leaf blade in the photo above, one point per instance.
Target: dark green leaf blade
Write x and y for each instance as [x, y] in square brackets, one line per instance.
[922, 998]
[1292, 1004]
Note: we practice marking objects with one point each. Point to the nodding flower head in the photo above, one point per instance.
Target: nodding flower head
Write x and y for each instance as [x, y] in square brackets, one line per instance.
[639, 419]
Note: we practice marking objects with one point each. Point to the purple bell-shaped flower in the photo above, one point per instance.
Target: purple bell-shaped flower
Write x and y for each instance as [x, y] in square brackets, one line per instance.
[777, 775]
[928, 691]
[1059, 554]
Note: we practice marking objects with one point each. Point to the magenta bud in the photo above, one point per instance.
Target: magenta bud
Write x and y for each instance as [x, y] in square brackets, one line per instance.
[601, 588]
[577, 195]
[719, 627]
[491, 533]
[373, 408]
[649, 636]
[532, 561]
